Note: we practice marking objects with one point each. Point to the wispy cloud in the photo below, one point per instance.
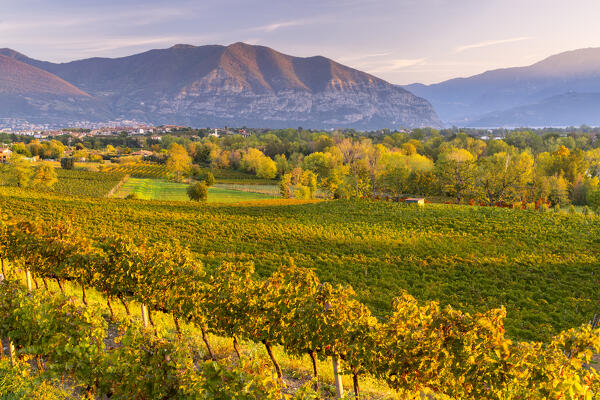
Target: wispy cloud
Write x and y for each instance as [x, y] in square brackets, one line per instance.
[278, 25]
[392, 65]
[360, 57]
[488, 43]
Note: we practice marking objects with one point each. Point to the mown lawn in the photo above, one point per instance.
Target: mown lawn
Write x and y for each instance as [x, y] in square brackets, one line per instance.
[159, 189]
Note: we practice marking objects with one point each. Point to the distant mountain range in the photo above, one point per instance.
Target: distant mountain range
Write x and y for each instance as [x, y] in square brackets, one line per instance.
[561, 90]
[206, 86]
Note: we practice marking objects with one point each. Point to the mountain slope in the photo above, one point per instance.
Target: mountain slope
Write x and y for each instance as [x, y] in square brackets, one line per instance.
[464, 101]
[241, 85]
[35, 94]
[559, 110]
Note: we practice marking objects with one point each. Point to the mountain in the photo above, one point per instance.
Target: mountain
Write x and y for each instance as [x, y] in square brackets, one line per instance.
[569, 109]
[239, 85]
[510, 96]
[29, 92]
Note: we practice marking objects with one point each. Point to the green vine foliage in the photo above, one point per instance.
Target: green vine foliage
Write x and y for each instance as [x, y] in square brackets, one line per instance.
[420, 346]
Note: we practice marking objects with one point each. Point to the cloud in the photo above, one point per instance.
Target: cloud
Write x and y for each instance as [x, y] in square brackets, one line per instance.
[279, 25]
[487, 43]
[362, 57]
[392, 65]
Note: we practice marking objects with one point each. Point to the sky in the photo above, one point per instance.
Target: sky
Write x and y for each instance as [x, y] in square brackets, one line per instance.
[401, 41]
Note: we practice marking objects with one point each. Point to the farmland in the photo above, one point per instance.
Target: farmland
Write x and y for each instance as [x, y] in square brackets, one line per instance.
[160, 189]
[541, 266]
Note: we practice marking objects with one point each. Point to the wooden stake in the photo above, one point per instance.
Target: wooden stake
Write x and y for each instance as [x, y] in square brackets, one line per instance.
[145, 315]
[339, 387]
[28, 279]
[11, 351]
[3, 269]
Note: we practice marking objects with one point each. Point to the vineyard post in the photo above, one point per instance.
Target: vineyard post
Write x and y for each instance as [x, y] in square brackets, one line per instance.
[145, 315]
[11, 351]
[339, 387]
[28, 279]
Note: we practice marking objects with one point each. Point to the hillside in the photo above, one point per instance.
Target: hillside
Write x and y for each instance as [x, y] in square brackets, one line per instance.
[239, 85]
[29, 92]
[502, 93]
[561, 110]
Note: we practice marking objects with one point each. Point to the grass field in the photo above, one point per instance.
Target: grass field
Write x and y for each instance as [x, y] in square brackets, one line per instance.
[158, 189]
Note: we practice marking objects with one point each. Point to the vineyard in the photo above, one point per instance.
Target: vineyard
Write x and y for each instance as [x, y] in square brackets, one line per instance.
[159, 171]
[85, 183]
[540, 266]
[139, 170]
[420, 346]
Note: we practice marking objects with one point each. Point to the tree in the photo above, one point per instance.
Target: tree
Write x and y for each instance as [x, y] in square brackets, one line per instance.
[559, 190]
[502, 176]
[20, 170]
[593, 200]
[45, 176]
[299, 184]
[267, 168]
[356, 159]
[67, 163]
[179, 161]
[209, 179]
[20, 148]
[283, 166]
[456, 172]
[394, 179]
[198, 191]
[328, 169]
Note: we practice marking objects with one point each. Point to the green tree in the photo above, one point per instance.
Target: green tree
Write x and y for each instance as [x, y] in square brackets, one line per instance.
[198, 191]
[502, 176]
[456, 172]
[558, 190]
[210, 179]
[20, 170]
[67, 163]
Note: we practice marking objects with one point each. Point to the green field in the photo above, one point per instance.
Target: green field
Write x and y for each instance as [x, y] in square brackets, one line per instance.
[542, 267]
[158, 189]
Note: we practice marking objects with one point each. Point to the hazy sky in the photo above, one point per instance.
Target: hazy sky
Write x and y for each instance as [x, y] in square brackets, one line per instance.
[402, 41]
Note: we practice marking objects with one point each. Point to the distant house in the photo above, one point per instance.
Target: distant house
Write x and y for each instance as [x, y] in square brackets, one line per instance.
[4, 154]
[415, 200]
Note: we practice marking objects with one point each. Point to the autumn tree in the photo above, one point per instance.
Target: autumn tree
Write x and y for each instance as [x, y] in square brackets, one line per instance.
[20, 170]
[178, 161]
[45, 176]
[503, 176]
[456, 171]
